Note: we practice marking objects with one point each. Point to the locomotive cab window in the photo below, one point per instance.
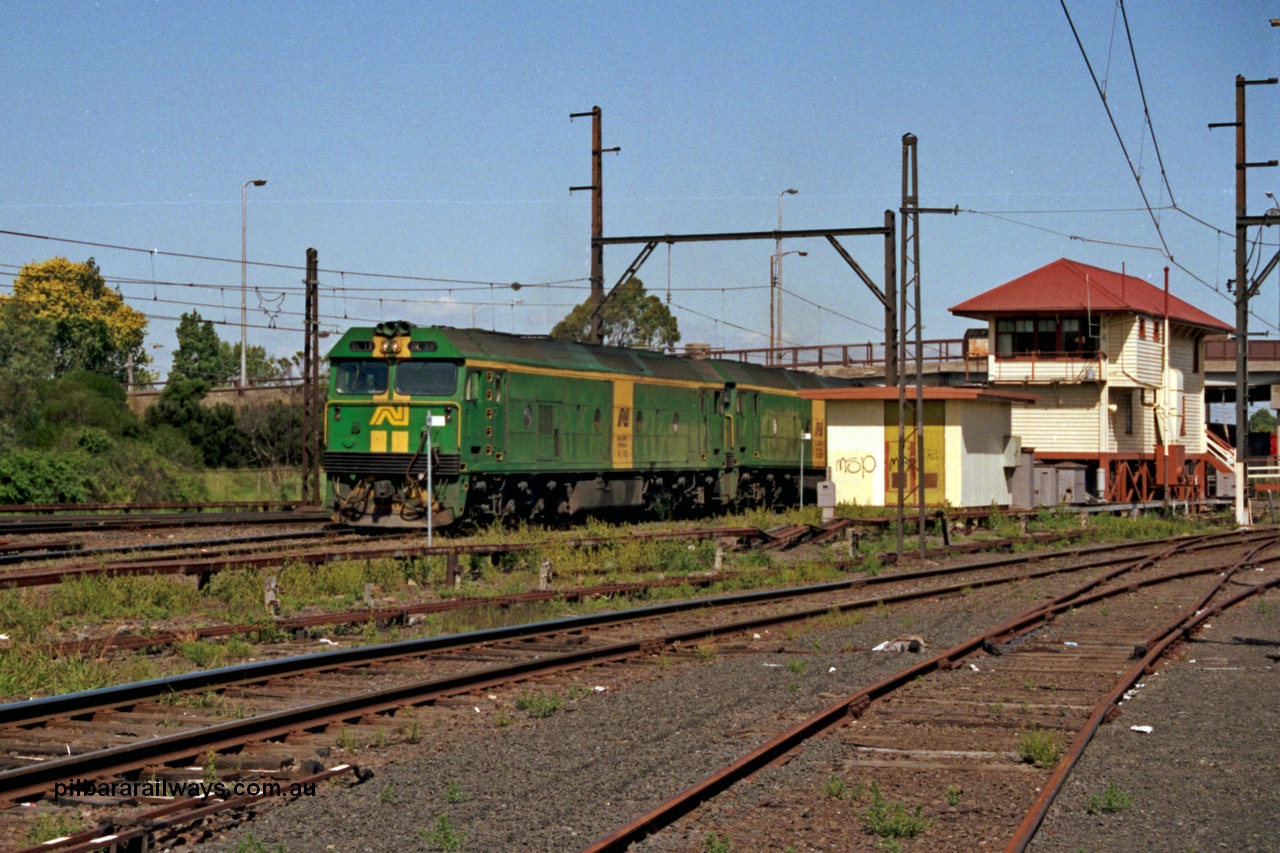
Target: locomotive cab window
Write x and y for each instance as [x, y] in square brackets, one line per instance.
[426, 378]
[363, 376]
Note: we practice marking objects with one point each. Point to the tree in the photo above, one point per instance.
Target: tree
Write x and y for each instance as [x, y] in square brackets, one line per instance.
[25, 359]
[88, 324]
[1262, 421]
[200, 353]
[210, 429]
[631, 318]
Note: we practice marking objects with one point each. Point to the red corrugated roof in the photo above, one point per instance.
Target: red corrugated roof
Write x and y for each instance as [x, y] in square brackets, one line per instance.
[1071, 287]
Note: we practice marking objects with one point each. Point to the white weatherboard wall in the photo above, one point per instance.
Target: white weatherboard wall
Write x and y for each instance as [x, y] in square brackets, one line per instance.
[976, 438]
[855, 450]
[1063, 420]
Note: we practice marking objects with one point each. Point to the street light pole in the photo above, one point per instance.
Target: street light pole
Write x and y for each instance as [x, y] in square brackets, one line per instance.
[776, 303]
[244, 279]
[775, 270]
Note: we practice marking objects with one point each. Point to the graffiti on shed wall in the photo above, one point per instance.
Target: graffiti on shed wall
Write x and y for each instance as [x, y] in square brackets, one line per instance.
[857, 463]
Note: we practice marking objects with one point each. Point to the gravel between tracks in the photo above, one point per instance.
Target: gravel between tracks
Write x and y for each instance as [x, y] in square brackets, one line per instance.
[1206, 779]
[1208, 776]
[560, 782]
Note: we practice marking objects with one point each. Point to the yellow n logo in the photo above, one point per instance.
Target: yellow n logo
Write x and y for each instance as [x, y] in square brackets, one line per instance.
[390, 415]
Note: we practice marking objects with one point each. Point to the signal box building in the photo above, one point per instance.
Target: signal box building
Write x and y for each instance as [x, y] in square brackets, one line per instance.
[1117, 368]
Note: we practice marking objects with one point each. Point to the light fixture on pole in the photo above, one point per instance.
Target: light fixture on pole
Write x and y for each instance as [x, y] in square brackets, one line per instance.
[775, 286]
[775, 304]
[244, 279]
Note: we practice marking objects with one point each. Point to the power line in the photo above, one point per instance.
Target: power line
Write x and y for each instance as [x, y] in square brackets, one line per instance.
[829, 310]
[1146, 112]
[1076, 237]
[267, 265]
[1129, 160]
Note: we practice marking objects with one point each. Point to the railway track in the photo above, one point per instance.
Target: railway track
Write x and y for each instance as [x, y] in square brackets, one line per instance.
[63, 523]
[407, 614]
[959, 719]
[372, 689]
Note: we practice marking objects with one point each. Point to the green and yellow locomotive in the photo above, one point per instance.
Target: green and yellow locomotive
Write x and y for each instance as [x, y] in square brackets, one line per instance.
[544, 429]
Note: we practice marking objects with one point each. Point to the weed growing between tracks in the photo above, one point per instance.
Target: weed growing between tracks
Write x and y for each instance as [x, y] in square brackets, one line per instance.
[894, 820]
[1039, 747]
[442, 835]
[47, 827]
[101, 605]
[1111, 800]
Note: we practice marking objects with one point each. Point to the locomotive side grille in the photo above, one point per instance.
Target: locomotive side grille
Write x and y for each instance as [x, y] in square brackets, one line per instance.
[390, 464]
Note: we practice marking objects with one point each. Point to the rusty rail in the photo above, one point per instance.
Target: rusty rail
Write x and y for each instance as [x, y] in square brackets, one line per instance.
[837, 713]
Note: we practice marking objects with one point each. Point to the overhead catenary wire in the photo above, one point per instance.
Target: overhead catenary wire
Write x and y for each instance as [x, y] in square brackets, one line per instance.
[268, 265]
[1110, 117]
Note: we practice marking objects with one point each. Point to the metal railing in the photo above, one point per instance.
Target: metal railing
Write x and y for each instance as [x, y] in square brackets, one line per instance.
[869, 355]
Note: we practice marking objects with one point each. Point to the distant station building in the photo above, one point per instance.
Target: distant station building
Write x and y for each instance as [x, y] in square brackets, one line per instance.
[970, 454]
[1117, 368]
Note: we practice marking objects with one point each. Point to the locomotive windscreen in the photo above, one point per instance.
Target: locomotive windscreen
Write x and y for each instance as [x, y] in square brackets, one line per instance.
[426, 378]
[363, 376]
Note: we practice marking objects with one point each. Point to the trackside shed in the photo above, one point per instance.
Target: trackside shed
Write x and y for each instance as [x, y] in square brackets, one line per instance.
[970, 451]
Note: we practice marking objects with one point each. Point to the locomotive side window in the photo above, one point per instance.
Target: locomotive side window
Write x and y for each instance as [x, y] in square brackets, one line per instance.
[469, 390]
[528, 417]
[360, 377]
[596, 420]
[675, 422]
[428, 378]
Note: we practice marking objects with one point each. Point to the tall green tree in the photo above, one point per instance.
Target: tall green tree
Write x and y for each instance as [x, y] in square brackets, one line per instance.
[201, 354]
[1262, 421]
[88, 325]
[631, 318]
[26, 360]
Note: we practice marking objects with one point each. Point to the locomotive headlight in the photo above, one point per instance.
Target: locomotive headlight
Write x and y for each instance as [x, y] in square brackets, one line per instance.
[337, 413]
[386, 346]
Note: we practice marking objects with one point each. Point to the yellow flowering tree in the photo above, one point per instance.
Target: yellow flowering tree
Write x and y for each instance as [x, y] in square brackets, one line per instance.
[87, 324]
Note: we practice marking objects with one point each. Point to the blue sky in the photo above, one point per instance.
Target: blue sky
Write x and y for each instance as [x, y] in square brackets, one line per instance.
[433, 140]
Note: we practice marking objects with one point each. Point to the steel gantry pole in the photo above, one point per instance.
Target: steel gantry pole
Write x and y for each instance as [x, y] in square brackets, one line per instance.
[597, 219]
[910, 298]
[1243, 290]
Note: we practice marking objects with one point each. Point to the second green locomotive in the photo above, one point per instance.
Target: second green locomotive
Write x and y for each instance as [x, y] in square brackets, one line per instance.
[515, 427]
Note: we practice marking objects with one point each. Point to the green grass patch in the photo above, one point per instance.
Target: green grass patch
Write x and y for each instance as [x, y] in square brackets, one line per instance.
[46, 827]
[894, 820]
[1039, 747]
[442, 835]
[1110, 801]
[539, 704]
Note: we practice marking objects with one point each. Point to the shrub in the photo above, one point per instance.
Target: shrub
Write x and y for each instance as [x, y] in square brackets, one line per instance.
[1039, 747]
[1112, 800]
[37, 476]
[892, 820]
[539, 704]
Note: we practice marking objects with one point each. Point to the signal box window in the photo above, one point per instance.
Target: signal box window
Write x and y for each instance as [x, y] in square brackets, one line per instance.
[360, 377]
[1047, 337]
[426, 378]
